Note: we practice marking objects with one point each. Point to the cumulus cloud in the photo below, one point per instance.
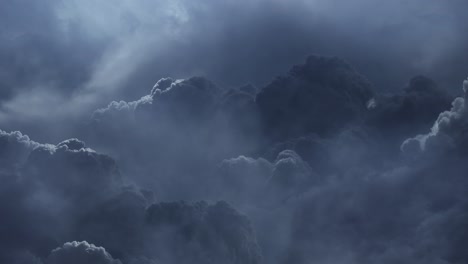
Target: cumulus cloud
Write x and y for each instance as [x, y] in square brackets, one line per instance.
[68, 191]
[72, 171]
[15, 148]
[316, 177]
[192, 121]
[117, 222]
[448, 132]
[321, 96]
[404, 114]
[259, 182]
[45, 187]
[80, 252]
[78, 55]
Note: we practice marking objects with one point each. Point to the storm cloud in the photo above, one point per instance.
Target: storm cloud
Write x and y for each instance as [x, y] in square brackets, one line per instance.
[241, 132]
[79, 55]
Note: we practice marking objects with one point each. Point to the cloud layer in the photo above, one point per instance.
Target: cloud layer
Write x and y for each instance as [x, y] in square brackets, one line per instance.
[354, 156]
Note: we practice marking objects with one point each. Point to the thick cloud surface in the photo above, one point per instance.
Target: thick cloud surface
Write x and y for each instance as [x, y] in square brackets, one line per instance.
[327, 163]
[77, 55]
[448, 132]
[320, 96]
[57, 193]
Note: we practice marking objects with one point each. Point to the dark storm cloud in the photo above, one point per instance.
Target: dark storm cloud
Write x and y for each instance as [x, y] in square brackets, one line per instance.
[77, 54]
[400, 213]
[448, 132]
[192, 121]
[67, 192]
[412, 111]
[233, 41]
[332, 181]
[311, 160]
[246, 180]
[15, 148]
[321, 96]
[48, 186]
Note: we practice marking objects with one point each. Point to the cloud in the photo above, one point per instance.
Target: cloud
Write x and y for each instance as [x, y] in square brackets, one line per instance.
[400, 115]
[80, 54]
[258, 182]
[70, 170]
[321, 96]
[15, 148]
[400, 215]
[80, 252]
[45, 187]
[68, 191]
[448, 132]
[118, 223]
[318, 175]
[192, 121]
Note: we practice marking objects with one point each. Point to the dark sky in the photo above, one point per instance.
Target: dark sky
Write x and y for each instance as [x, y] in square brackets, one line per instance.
[233, 131]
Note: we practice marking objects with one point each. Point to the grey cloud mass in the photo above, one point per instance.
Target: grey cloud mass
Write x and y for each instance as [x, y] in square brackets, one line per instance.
[233, 132]
[448, 132]
[78, 55]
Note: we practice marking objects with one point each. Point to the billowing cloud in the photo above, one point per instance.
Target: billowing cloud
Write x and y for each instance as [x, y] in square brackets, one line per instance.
[410, 112]
[192, 121]
[311, 164]
[80, 252]
[448, 132]
[79, 55]
[321, 96]
[15, 148]
[246, 180]
[68, 191]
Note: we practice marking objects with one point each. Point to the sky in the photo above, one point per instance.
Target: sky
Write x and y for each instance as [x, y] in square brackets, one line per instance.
[233, 131]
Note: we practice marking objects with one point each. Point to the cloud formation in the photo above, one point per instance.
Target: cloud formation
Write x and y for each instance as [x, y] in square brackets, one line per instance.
[320, 96]
[79, 55]
[448, 132]
[222, 162]
[67, 191]
[80, 252]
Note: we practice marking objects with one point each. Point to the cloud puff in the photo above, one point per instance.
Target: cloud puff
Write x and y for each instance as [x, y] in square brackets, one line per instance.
[67, 191]
[48, 189]
[192, 121]
[257, 181]
[117, 222]
[80, 252]
[413, 111]
[71, 170]
[14, 149]
[449, 132]
[321, 96]
[194, 96]
[246, 177]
